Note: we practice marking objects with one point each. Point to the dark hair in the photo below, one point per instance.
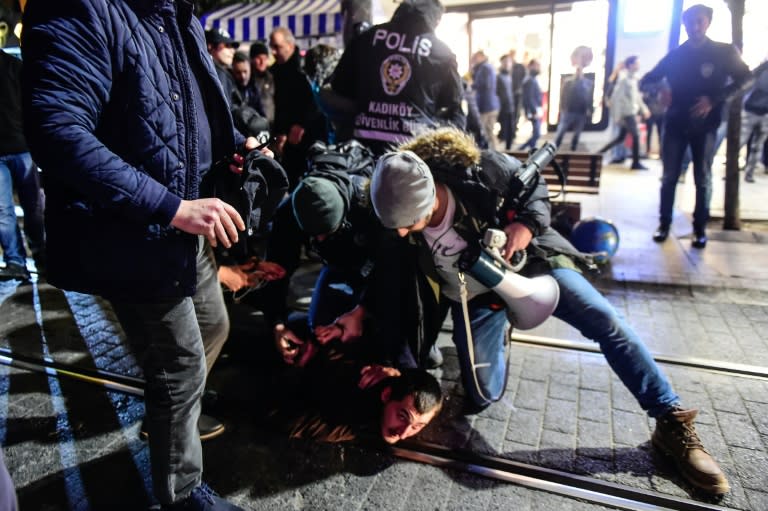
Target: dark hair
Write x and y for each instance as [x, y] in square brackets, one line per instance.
[240, 56]
[630, 60]
[320, 61]
[425, 389]
[258, 48]
[696, 9]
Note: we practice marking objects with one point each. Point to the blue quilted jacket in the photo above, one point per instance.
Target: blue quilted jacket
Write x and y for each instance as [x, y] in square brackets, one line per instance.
[110, 118]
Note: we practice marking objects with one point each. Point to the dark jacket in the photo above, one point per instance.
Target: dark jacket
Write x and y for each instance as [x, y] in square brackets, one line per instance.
[699, 71]
[756, 100]
[264, 83]
[110, 117]
[11, 133]
[351, 249]
[294, 102]
[400, 89]
[532, 97]
[227, 82]
[504, 92]
[484, 85]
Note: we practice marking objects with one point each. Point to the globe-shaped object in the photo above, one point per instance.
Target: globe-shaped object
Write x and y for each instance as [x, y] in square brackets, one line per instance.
[597, 236]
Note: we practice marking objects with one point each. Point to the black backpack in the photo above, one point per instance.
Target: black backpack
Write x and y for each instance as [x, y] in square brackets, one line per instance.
[349, 156]
[255, 194]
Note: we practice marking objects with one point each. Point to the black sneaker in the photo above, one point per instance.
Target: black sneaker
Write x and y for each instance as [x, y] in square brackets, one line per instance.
[661, 234]
[638, 166]
[202, 498]
[699, 239]
[208, 427]
[13, 271]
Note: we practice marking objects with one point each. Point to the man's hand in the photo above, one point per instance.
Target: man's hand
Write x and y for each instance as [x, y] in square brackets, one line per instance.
[238, 159]
[234, 278]
[347, 327]
[518, 238]
[295, 351]
[213, 218]
[265, 270]
[373, 374]
[295, 134]
[702, 107]
[249, 274]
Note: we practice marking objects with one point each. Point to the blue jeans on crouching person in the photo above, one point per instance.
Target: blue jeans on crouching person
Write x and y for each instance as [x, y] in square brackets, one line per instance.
[582, 307]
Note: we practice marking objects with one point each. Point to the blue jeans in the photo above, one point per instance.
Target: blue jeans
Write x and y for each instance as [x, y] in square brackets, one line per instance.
[335, 293]
[177, 340]
[535, 133]
[18, 169]
[702, 143]
[484, 381]
[619, 151]
[570, 121]
[582, 307]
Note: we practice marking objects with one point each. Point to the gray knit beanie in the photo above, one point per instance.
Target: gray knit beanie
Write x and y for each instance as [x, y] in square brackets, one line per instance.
[402, 189]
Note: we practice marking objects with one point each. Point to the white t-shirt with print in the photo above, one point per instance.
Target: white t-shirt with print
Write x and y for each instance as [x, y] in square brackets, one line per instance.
[446, 246]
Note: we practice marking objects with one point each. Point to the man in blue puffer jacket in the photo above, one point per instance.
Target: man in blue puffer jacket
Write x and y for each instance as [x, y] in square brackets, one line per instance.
[125, 114]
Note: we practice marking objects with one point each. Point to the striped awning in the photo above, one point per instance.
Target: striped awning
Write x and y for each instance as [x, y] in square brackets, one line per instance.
[252, 22]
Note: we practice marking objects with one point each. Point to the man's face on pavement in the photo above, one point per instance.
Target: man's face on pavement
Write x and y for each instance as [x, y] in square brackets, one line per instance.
[242, 72]
[696, 26]
[223, 54]
[281, 49]
[400, 420]
[260, 63]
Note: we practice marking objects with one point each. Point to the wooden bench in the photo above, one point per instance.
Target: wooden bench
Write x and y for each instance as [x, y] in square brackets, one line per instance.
[582, 171]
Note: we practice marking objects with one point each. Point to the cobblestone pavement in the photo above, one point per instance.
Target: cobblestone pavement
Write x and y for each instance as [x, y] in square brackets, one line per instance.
[74, 446]
[71, 445]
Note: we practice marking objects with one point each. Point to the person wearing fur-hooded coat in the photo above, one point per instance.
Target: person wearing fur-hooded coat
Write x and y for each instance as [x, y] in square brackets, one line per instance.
[415, 192]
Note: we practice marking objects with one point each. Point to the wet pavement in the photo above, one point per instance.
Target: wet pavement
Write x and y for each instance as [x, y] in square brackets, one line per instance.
[74, 446]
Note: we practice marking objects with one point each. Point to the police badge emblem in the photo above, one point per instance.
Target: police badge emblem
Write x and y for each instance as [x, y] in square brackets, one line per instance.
[395, 72]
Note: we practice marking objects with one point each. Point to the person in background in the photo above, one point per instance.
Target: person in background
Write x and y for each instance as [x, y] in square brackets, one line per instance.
[519, 72]
[484, 85]
[128, 119]
[245, 93]
[576, 101]
[701, 73]
[19, 172]
[619, 151]
[298, 120]
[532, 103]
[262, 79]
[504, 90]
[754, 120]
[222, 49]
[656, 97]
[626, 105]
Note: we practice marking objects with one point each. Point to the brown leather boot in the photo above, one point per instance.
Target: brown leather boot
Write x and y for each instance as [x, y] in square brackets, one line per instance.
[676, 436]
